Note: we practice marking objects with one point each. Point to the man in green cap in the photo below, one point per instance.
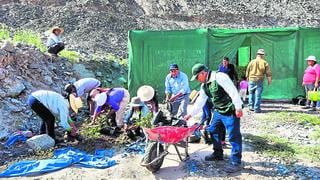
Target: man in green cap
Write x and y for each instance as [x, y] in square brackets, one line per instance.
[227, 110]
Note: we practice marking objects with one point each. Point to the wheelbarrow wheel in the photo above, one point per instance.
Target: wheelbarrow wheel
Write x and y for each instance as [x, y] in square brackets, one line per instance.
[151, 154]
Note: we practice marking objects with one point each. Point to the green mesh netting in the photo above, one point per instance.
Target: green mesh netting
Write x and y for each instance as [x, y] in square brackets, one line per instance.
[151, 53]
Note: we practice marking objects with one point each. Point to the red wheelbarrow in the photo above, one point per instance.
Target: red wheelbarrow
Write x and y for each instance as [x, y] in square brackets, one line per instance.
[160, 140]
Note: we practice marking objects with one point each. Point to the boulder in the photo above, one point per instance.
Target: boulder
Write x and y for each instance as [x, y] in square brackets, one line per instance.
[15, 89]
[41, 142]
[3, 73]
[81, 70]
[8, 46]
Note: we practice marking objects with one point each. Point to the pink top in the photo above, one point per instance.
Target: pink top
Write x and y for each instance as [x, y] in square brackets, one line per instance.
[243, 84]
[311, 73]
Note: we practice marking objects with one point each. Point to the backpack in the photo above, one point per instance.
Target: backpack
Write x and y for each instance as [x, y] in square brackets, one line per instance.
[299, 100]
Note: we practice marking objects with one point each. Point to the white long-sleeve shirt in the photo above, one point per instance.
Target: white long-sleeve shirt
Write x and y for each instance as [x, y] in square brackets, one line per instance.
[57, 105]
[85, 85]
[225, 82]
[53, 39]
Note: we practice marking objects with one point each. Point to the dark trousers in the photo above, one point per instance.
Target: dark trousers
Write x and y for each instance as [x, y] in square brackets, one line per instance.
[47, 117]
[56, 48]
[222, 131]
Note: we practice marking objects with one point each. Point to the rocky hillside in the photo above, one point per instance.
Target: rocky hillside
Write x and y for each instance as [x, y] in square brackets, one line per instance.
[24, 69]
[101, 25]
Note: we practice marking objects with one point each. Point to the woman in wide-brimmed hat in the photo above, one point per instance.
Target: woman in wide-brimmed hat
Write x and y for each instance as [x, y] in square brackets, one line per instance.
[54, 42]
[149, 96]
[138, 110]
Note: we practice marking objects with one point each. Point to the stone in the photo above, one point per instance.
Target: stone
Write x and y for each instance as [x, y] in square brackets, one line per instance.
[48, 80]
[41, 142]
[3, 73]
[8, 46]
[34, 66]
[115, 65]
[2, 93]
[99, 74]
[81, 70]
[3, 132]
[15, 89]
[14, 108]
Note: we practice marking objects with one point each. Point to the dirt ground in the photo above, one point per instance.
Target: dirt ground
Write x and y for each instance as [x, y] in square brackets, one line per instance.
[255, 165]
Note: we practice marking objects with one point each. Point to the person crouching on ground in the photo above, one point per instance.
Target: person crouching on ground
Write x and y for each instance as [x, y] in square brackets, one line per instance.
[82, 89]
[138, 110]
[150, 98]
[116, 98]
[54, 42]
[47, 105]
[227, 109]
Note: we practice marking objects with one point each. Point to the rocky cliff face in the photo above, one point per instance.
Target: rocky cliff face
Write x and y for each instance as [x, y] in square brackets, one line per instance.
[102, 25]
[24, 69]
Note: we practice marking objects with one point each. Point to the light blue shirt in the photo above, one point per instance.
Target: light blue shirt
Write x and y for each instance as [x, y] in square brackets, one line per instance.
[85, 85]
[144, 112]
[177, 84]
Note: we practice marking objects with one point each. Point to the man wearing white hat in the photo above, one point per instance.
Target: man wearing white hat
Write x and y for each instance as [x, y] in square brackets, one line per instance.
[255, 73]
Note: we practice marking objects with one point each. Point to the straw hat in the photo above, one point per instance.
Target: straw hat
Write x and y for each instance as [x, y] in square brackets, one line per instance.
[136, 102]
[75, 103]
[56, 28]
[311, 58]
[101, 98]
[145, 93]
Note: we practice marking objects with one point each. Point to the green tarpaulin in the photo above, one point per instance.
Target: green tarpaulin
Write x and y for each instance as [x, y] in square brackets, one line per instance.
[151, 53]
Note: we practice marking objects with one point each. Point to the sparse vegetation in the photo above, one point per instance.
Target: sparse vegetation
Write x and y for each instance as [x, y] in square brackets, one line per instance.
[30, 38]
[73, 56]
[91, 131]
[281, 147]
[145, 121]
[4, 32]
[302, 118]
[316, 134]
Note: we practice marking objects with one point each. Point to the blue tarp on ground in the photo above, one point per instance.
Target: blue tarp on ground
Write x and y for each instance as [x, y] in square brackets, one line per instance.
[62, 158]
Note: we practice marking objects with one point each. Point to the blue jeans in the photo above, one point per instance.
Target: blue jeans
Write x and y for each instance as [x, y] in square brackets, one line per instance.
[232, 124]
[255, 92]
[179, 107]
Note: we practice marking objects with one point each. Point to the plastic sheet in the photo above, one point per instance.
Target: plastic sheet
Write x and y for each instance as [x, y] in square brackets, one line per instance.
[18, 136]
[14, 138]
[62, 158]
